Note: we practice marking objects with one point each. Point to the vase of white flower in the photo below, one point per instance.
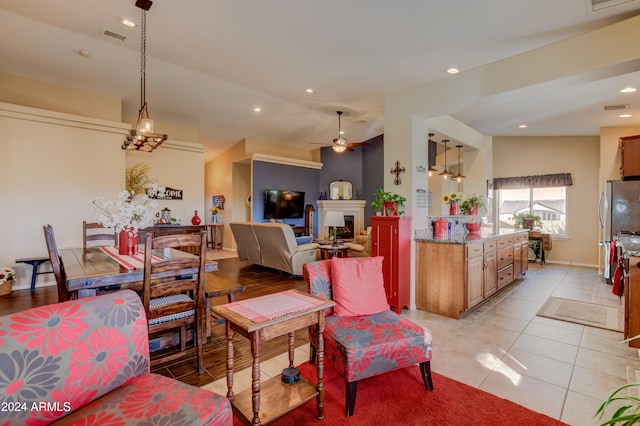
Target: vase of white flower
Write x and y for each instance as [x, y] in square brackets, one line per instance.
[127, 215]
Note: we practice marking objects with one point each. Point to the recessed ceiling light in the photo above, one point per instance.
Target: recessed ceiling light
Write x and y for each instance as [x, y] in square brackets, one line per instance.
[85, 53]
[453, 70]
[257, 109]
[522, 126]
[309, 90]
[127, 23]
[624, 115]
[628, 90]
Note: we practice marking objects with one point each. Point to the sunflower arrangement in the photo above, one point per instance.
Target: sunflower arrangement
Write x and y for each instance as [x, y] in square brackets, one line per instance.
[452, 197]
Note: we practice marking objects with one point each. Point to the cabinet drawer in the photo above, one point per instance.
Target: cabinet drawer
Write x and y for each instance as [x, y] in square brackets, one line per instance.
[474, 250]
[490, 246]
[504, 242]
[505, 276]
[505, 257]
[518, 238]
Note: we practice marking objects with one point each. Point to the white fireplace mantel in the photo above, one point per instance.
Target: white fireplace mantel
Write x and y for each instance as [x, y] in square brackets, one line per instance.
[353, 208]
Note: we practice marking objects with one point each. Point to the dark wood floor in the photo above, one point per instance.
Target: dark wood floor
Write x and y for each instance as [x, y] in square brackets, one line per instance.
[258, 281]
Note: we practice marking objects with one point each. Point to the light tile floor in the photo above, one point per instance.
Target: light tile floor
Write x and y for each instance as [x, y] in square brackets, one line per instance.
[561, 369]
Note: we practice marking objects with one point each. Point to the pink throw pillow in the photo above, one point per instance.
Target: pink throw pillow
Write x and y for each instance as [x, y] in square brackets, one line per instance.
[358, 286]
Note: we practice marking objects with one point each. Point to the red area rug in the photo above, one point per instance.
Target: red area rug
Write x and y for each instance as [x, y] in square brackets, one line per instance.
[400, 398]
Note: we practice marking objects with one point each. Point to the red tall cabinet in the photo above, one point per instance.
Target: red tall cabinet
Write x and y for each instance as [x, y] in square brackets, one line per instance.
[391, 238]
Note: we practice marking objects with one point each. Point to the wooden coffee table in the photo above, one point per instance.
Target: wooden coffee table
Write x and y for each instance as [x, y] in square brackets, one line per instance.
[327, 251]
[263, 318]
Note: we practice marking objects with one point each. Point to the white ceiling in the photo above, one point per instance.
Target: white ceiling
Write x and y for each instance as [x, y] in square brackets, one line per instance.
[210, 62]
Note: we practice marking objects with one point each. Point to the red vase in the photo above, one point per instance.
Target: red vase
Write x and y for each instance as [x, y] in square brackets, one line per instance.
[195, 220]
[473, 210]
[454, 209]
[128, 242]
[389, 209]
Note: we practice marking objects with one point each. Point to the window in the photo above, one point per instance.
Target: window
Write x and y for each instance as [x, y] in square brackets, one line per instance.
[524, 195]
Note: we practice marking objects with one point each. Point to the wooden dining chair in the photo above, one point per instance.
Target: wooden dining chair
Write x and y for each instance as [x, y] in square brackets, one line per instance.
[57, 265]
[173, 293]
[94, 231]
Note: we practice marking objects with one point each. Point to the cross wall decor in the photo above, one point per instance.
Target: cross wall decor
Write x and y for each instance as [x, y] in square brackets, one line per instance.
[396, 171]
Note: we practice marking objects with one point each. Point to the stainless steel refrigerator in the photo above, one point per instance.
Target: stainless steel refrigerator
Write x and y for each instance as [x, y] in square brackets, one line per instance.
[619, 208]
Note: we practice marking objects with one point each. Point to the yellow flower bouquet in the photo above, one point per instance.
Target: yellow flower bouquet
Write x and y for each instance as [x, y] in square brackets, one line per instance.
[452, 197]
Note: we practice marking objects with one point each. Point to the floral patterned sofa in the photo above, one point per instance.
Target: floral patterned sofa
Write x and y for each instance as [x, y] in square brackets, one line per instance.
[86, 362]
[364, 345]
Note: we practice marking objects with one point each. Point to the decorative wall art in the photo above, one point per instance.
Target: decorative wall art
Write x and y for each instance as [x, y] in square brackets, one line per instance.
[396, 171]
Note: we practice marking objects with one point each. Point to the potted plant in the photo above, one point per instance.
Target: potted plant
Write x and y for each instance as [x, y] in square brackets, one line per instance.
[527, 221]
[388, 203]
[471, 205]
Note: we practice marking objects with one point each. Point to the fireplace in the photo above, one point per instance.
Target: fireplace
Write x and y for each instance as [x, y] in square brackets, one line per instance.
[346, 232]
[353, 211]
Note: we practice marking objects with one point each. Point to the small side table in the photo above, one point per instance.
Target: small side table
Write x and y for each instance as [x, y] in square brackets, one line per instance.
[328, 251]
[264, 318]
[216, 233]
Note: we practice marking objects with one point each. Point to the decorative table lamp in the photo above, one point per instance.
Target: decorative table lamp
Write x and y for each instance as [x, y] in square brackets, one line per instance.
[334, 219]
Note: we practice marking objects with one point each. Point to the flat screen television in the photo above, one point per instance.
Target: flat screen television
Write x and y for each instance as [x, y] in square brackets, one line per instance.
[279, 204]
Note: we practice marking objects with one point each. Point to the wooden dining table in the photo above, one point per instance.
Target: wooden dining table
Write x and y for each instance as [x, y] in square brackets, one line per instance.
[97, 270]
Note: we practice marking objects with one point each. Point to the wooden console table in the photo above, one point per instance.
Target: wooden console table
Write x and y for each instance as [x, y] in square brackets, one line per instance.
[263, 318]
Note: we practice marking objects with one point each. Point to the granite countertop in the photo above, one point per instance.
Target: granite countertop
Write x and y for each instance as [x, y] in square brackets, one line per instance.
[483, 234]
[630, 245]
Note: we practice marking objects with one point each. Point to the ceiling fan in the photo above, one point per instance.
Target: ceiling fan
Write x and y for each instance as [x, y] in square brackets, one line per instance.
[340, 144]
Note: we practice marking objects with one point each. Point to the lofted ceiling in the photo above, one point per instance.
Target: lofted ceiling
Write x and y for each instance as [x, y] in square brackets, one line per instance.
[211, 62]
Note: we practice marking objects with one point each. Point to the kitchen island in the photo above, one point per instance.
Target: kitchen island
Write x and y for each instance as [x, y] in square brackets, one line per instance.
[455, 276]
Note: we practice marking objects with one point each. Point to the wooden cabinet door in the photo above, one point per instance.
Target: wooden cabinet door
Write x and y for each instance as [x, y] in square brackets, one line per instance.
[391, 238]
[630, 153]
[524, 257]
[475, 291]
[517, 260]
[490, 273]
[382, 244]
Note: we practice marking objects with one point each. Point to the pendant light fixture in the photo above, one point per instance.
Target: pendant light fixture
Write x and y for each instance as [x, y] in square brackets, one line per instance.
[459, 176]
[445, 173]
[142, 137]
[432, 170]
[340, 143]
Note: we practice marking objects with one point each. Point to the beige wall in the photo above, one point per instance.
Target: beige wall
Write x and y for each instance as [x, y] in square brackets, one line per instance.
[580, 156]
[52, 97]
[179, 165]
[219, 180]
[50, 173]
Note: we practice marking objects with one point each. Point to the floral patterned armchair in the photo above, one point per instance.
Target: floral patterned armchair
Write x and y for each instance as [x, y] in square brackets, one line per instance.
[86, 361]
[366, 345]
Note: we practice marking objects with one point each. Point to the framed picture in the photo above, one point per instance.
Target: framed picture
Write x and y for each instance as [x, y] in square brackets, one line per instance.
[218, 201]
